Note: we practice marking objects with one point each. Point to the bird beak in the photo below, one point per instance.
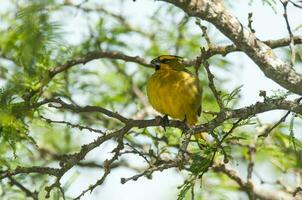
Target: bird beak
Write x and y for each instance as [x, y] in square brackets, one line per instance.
[155, 62]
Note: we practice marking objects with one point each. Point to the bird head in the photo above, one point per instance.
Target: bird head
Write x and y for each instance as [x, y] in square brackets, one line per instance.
[168, 62]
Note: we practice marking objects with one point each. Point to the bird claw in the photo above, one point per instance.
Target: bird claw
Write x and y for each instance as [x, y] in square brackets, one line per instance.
[185, 119]
[165, 121]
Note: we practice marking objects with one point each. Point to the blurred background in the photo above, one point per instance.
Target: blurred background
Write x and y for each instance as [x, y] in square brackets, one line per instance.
[36, 36]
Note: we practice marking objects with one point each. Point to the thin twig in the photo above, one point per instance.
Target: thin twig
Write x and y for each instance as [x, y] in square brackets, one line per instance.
[251, 158]
[72, 125]
[148, 172]
[107, 168]
[97, 55]
[138, 152]
[33, 195]
[250, 21]
[267, 132]
[80, 109]
[212, 86]
[291, 36]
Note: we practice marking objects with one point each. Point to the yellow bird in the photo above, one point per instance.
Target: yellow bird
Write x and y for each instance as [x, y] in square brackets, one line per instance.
[174, 91]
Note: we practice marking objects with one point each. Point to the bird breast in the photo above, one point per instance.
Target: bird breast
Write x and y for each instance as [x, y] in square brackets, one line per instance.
[175, 93]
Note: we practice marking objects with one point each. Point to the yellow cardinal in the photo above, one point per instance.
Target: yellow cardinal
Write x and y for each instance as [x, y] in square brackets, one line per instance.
[174, 91]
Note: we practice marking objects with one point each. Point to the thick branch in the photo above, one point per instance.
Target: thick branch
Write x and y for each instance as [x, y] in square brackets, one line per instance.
[224, 50]
[74, 159]
[249, 111]
[242, 113]
[244, 39]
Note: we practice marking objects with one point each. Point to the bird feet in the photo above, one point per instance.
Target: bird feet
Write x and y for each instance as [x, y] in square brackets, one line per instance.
[165, 121]
[185, 119]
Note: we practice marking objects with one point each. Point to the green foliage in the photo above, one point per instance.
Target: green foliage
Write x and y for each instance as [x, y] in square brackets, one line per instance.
[36, 38]
[185, 189]
[231, 97]
[29, 43]
[30, 38]
[12, 126]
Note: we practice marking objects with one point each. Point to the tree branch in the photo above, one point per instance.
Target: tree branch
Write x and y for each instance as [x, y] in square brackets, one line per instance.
[68, 161]
[242, 113]
[61, 104]
[97, 55]
[249, 187]
[214, 50]
[33, 195]
[249, 111]
[224, 50]
[215, 13]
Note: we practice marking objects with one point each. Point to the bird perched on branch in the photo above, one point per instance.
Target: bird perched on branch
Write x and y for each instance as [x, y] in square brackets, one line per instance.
[174, 91]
